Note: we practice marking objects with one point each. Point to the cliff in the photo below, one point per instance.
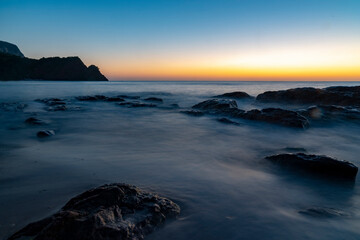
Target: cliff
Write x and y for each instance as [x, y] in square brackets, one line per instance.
[10, 48]
[15, 67]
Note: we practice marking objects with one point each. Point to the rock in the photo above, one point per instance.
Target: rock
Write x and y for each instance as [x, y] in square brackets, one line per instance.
[319, 212]
[278, 116]
[45, 133]
[54, 68]
[236, 95]
[343, 96]
[11, 49]
[216, 105]
[227, 121]
[52, 101]
[136, 104]
[34, 121]
[115, 211]
[115, 99]
[330, 112]
[294, 149]
[153, 99]
[193, 113]
[319, 165]
[129, 97]
[92, 98]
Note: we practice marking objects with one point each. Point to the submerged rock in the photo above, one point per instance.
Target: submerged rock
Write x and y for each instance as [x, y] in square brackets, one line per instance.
[227, 121]
[115, 211]
[319, 212]
[278, 116]
[12, 107]
[45, 133]
[236, 95]
[115, 99]
[91, 98]
[56, 108]
[52, 101]
[34, 121]
[320, 165]
[343, 96]
[153, 99]
[129, 97]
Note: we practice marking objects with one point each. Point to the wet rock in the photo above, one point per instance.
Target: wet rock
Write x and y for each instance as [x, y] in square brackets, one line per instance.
[227, 121]
[45, 133]
[153, 99]
[319, 212]
[91, 98]
[136, 104]
[115, 211]
[343, 96]
[325, 112]
[235, 95]
[52, 101]
[277, 116]
[129, 97]
[115, 99]
[216, 105]
[294, 149]
[34, 121]
[319, 165]
[193, 113]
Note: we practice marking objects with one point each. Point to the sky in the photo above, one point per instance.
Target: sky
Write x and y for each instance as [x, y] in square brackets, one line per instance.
[193, 39]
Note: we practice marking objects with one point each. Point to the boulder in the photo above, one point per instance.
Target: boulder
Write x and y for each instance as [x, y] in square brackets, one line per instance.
[277, 116]
[315, 164]
[129, 97]
[216, 105]
[234, 95]
[45, 133]
[153, 99]
[343, 96]
[115, 211]
[34, 121]
[115, 99]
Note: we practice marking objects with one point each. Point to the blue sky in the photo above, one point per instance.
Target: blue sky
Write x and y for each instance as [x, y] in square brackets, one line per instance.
[120, 35]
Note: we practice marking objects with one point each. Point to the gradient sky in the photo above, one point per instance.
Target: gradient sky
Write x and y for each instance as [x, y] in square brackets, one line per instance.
[193, 39]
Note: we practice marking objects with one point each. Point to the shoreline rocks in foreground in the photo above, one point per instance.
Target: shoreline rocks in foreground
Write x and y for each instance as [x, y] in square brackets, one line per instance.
[114, 211]
[315, 164]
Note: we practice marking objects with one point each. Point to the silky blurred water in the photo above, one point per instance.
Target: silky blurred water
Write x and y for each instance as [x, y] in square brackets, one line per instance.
[214, 171]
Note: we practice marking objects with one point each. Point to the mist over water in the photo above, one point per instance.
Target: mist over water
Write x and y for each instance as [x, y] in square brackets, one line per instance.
[214, 171]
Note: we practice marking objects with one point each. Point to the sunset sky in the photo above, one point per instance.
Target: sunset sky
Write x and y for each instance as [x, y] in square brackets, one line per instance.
[193, 39]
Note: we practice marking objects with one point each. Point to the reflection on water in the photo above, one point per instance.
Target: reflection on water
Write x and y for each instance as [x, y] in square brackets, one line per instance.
[214, 171]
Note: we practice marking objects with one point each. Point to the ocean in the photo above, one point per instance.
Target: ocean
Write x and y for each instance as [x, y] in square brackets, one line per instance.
[216, 172]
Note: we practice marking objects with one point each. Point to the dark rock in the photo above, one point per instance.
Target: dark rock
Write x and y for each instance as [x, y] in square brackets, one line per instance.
[129, 97]
[216, 105]
[174, 105]
[91, 98]
[278, 116]
[115, 99]
[54, 68]
[34, 121]
[52, 101]
[324, 212]
[153, 99]
[320, 165]
[236, 95]
[343, 96]
[329, 112]
[193, 113]
[136, 104]
[116, 211]
[11, 49]
[227, 121]
[45, 133]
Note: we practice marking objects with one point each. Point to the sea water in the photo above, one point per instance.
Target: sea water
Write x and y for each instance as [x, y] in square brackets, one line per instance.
[214, 171]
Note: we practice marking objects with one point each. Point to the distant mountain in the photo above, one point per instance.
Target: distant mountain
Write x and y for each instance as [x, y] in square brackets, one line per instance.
[15, 67]
[10, 48]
